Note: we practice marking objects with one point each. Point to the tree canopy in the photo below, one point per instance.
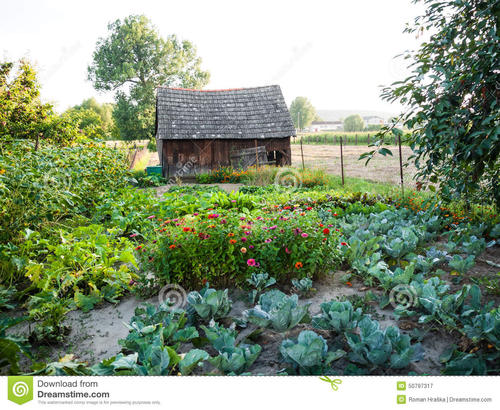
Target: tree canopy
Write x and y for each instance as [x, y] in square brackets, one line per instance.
[452, 99]
[354, 123]
[132, 61]
[302, 112]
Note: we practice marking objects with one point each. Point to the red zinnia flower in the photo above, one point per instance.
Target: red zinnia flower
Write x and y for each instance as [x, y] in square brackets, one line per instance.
[251, 262]
[343, 243]
[326, 231]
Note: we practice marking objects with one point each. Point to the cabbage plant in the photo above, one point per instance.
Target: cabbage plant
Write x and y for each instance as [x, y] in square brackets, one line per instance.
[386, 348]
[338, 316]
[277, 310]
[209, 303]
[259, 281]
[308, 355]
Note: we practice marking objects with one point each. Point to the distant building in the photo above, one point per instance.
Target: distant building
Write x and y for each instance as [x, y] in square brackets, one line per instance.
[373, 120]
[319, 126]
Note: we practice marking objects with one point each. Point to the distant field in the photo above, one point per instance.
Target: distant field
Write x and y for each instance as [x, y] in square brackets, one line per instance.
[333, 138]
[379, 169]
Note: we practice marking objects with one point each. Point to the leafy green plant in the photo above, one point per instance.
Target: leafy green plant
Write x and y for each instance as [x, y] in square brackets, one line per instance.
[277, 310]
[461, 265]
[386, 348]
[148, 319]
[236, 359]
[338, 316]
[11, 346]
[303, 286]
[308, 355]
[209, 303]
[259, 281]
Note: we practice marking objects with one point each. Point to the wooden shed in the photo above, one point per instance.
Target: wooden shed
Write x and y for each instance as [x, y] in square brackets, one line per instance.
[201, 130]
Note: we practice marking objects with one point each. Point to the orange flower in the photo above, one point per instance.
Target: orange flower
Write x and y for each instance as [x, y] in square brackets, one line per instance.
[348, 284]
[172, 246]
[298, 265]
[230, 234]
[232, 241]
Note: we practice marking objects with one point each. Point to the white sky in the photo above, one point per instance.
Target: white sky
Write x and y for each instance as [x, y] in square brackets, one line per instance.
[337, 52]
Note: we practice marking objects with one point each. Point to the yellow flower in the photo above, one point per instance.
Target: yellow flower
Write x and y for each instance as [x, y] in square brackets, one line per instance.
[2, 171]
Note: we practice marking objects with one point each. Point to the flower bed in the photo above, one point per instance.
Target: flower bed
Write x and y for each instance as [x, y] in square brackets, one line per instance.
[227, 247]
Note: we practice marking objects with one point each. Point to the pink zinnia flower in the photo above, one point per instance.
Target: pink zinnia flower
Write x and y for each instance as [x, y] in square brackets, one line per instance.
[304, 235]
[251, 262]
[287, 251]
[151, 217]
[133, 235]
[243, 239]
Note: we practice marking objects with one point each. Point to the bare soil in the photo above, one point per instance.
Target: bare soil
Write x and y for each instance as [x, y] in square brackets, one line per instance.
[379, 169]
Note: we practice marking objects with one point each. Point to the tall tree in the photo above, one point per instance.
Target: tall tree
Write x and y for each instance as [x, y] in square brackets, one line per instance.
[302, 112]
[354, 123]
[133, 60]
[90, 113]
[452, 97]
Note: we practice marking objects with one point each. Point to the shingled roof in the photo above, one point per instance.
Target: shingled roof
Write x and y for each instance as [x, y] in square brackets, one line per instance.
[258, 112]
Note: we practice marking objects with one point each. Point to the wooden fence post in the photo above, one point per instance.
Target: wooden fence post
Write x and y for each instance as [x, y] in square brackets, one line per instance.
[341, 161]
[400, 165]
[356, 139]
[302, 154]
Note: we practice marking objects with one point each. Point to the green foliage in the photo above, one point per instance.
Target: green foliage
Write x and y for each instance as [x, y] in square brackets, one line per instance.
[221, 175]
[52, 184]
[452, 99]
[461, 265]
[302, 112]
[354, 123]
[277, 310]
[135, 58]
[259, 281]
[337, 316]
[309, 354]
[22, 114]
[303, 286]
[285, 244]
[90, 264]
[376, 347]
[11, 346]
[209, 304]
